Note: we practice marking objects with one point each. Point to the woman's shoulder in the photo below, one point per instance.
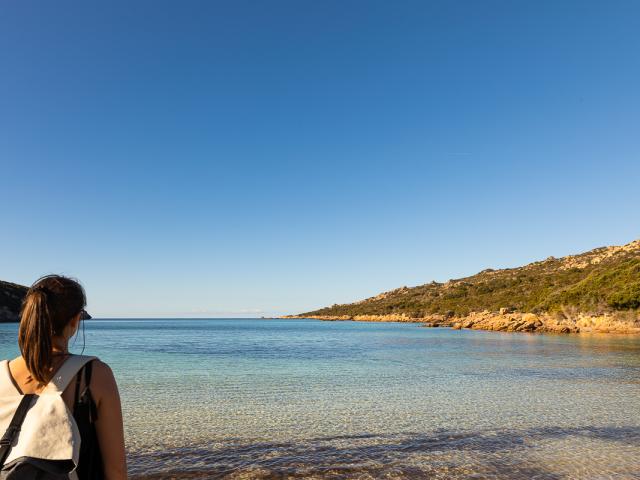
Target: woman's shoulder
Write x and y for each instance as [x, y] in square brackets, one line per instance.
[103, 382]
[98, 365]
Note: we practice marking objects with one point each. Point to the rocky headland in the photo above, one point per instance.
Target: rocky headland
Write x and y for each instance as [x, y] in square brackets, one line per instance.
[11, 297]
[593, 292]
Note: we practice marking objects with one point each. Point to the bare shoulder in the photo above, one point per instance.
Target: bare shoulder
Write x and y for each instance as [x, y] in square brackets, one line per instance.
[103, 382]
[101, 370]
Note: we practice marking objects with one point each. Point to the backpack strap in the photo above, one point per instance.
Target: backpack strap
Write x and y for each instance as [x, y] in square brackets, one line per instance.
[93, 410]
[6, 442]
[66, 372]
[85, 400]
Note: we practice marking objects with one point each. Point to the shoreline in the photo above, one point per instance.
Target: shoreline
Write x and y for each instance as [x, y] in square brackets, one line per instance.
[506, 321]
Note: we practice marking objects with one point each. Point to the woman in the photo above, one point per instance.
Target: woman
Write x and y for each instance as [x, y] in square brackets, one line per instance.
[51, 313]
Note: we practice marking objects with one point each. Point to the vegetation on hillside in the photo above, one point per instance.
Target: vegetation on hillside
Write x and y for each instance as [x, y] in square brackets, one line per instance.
[603, 280]
[11, 296]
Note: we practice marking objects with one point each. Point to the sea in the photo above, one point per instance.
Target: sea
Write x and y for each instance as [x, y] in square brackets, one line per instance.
[297, 398]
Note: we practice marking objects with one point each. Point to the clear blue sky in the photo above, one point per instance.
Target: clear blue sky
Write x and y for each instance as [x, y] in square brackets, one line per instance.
[248, 158]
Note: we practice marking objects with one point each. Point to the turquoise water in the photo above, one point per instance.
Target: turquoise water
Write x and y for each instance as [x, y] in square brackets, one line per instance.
[311, 399]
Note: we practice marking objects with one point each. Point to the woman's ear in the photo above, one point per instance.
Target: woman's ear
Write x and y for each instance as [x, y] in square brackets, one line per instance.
[73, 324]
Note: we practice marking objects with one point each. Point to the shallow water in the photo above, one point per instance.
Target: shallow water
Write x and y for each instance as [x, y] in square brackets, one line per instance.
[305, 398]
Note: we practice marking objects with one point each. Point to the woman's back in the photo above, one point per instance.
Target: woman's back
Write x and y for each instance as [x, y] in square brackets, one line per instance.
[51, 313]
[19, 376]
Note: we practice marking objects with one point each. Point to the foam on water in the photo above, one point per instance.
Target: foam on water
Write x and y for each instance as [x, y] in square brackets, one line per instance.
[303, 398]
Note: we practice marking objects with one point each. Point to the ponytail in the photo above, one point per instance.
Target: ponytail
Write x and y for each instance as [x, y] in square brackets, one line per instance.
[35, 335]
[50, 304]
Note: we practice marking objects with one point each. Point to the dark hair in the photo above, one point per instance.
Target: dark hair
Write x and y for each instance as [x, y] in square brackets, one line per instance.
[49, 306]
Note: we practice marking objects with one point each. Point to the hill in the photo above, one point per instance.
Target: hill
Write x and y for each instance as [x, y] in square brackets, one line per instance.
[557, 294]
[11, 297]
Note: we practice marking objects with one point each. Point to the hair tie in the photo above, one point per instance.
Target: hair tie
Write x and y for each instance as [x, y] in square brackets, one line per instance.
[40, 288]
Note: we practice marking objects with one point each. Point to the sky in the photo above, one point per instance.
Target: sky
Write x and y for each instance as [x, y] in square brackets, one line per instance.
[245, 158]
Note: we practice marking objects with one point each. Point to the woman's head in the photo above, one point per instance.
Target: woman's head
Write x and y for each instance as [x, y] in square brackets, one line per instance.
[52, 308]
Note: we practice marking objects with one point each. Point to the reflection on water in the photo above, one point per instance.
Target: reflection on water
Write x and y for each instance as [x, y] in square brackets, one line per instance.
[305, 399]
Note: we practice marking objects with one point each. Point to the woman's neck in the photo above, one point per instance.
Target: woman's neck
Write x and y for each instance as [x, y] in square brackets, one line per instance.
[60, 346]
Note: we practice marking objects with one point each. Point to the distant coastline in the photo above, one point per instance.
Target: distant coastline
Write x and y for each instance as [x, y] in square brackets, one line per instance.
[508, 322]
[593, 292]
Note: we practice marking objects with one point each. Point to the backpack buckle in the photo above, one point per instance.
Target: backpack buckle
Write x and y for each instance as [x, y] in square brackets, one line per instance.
[7, 438]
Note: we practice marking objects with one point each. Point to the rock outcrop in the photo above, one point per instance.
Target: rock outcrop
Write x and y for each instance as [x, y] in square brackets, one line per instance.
[11, 296]
[553, 323]
[628, 323]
